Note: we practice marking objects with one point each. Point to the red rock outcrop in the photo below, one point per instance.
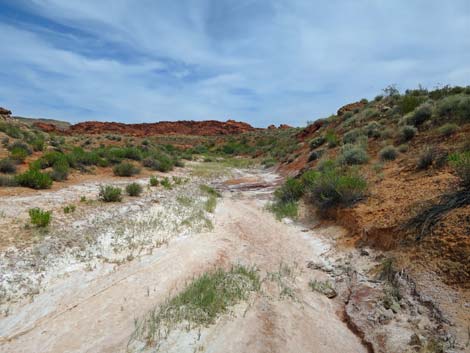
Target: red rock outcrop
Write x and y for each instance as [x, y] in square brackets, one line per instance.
[46, 127]
[208, 127]
[310, 130]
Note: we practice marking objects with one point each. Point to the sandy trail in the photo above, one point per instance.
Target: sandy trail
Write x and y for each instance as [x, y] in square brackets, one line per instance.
[95, 311]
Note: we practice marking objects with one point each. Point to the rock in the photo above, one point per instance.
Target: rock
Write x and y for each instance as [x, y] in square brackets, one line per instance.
[284, 127]
[272, 127]
[4, 111]
[46, 127]
[319, 266]
[364, 252]
[350, 107]
[385, 316]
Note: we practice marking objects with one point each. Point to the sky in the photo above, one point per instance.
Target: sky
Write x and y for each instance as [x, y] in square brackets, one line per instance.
[263, 62]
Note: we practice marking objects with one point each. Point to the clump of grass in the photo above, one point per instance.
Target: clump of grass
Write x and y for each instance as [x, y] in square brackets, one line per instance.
[421, 114]
[8, 181]
[331, 139]
[209, 190]
[199, 304]
[154, 181]
[134, 189]
[388, 153]
[317, 142]
[110, 193]
[40, 218]
[166, 183]
[460, 162]
[34, 179]
[352, 136]
[323, 287]
[7, 166]
[286, 209]
[60, 170]
[69, 209]
[352, 154]
[286, 199]
[210, 204]
[125, 169]
[403, 148]
[448, 129]
[407, 132]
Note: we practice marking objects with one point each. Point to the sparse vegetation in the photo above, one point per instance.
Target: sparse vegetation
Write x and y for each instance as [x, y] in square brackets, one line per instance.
[448, 129]
[7, 166]
[69, 209]
[323, 287]
[40, 218]
[166, 183]
[154, 181]
[125, 169]
[426, 159]
[352, 155]
[407, 133]
[34, 179]
[460, 162]
[388, 153]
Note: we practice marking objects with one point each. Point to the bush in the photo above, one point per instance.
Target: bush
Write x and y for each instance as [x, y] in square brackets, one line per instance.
[455, 106]
[290, 191]
[7, 166]
[334, 187]
[403, 148]
[315, 155]
[60, 170]
[388, 153]
[352, 154]
[331, 139]
[373, 129]
[40, 218]
[110, 193]
[426, 159]
[125, 169]
[161, 163]
[281, 210]
[134, 189]
[352, 135]
[460, 162]
[407, 133]
[166, 183]
[153, 181]
[448, 129]
[421, 114]
[317, 142]
[408, 103]
[34, 179]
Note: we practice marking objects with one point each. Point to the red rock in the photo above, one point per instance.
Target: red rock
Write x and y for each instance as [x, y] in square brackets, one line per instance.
[284, 127]
[310, 130]
[350, 107]
[272, 127]
[4, 111]
[46, 127]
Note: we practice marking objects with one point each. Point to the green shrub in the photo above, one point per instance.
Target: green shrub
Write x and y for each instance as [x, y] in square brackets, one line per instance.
[352, 135]
[7, 166]
[134, 189]
[455, 107]
[11, 130]
[407, 133]
[154, 181]
[388, 153]
[408, 103]
[209, 190]
[317, 142]
[125, 169]
[331, 139]
[403, 148]
[34, 179]
[421, 114]
[315, 155]
[448, 129]
[352, 154]
[373, 129]
[40, 218]
[60, 170]
[110, 193]
[335, 187]
[460, 162]
[282, 210]
[166, 183]
[69, 209]
[37, 144]
[291, 190]
[161, 163]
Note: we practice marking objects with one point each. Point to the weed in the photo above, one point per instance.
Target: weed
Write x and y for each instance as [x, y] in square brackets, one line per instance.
[40, 218]
[69, 209]
[209, 190]
[166, 183]
[153, 181]
[210, 204]
[110, 193]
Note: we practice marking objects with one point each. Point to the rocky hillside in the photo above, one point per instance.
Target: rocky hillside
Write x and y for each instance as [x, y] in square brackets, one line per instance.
[200, 128]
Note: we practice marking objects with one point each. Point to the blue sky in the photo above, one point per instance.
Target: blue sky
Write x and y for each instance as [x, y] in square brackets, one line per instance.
[276, 61]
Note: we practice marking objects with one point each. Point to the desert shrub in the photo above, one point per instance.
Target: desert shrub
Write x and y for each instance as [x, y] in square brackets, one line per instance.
[335, 187]
[317, 142]
[269, 162]
[352, 154]
[11, 130]
[7, 181]
[403, 148]
[60, 169]
[125, 169]
[40, 218]
[161, 163]
[373, 129]
[209, 190]
[5, 141]
[37, 143]
[153, 181]
[347, 115]
[369, 113]
[34, 179]
[407, 132]
[448, 129]
[110, 193]
[281, 210]
[315, 155]
[352, 135]
[388, 153]
[331, 139]
[7, 166]
[455, 106]
[378, 98]
[408, 103]
[421, 114]
[134, 189]
[460, 162]
[426, 159]
[291, 190]
[18, 145]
